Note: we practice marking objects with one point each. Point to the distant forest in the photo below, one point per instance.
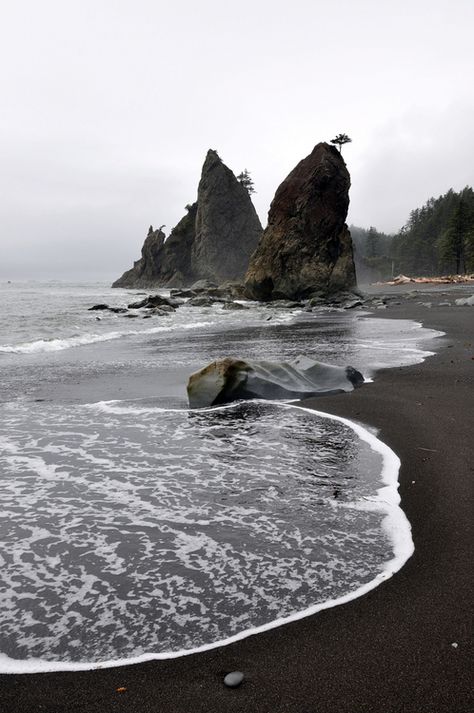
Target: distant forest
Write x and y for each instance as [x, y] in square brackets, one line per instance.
[437, 239]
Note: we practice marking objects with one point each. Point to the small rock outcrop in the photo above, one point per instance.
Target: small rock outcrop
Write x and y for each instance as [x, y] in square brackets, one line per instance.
[213, 241]
[142, 274]
[306, 246]
[228, 380]
[164, 262]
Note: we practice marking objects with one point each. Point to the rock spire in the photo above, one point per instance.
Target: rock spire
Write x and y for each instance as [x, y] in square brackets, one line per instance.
[306, 247]
[213, 241]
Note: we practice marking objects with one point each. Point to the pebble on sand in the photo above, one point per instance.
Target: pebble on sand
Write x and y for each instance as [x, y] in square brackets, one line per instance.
[234, 679]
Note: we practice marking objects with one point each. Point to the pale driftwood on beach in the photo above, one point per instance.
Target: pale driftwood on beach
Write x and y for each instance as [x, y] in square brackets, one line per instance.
[443, 280]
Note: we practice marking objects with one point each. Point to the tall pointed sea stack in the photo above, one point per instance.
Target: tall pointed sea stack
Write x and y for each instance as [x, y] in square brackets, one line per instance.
[214, 240]
[227, 226]
[306, 246]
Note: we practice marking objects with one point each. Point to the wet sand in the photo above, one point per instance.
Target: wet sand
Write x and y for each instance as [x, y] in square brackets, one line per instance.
[389, 651]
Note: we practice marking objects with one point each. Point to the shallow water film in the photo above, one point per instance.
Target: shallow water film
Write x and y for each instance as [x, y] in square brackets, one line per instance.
[129, 529]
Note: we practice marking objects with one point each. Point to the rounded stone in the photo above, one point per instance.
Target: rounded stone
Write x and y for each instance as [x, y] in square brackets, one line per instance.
[234, 679]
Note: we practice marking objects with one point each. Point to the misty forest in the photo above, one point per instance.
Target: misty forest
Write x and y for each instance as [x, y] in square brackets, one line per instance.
[437, 239]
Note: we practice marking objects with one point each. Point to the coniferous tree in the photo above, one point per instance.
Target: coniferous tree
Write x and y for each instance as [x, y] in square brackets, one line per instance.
[456, 240]
[372, 243]
[245, 179]
[340, 140]
[433, 241]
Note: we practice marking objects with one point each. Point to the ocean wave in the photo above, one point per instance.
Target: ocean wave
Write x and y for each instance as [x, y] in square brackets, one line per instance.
[130, 500]
[184, 319]
[78, 340]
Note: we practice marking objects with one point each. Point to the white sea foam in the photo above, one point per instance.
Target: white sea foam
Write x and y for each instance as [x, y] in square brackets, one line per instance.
[86, 488]
[190, 546]
[56, 329]
[78, 340]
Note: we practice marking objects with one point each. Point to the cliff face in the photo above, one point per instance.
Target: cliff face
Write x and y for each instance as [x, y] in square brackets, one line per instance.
[213, 241]
[306, 246]
[142, 274]
[174, 267]
[227, 226]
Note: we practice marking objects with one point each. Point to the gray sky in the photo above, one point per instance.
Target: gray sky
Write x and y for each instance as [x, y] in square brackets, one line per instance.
[109, 107]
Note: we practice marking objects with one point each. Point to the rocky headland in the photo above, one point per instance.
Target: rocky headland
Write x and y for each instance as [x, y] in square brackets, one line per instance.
[306, 248]
[214, 240]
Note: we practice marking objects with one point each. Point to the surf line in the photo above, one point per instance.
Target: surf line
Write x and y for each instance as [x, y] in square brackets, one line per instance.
[395, 524]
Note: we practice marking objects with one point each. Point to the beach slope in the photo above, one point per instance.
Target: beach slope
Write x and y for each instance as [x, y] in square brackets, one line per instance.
[402, 648]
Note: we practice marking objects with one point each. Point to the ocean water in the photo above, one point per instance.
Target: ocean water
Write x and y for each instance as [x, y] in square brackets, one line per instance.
[132, 527]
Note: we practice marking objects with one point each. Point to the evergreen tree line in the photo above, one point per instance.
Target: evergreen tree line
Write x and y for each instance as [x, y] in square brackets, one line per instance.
[437, 239]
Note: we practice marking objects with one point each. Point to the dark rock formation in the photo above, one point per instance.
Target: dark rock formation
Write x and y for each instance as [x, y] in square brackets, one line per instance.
[204, 301]
[227, 225]
[229, 380]
[213, 241]
[142, 274]
[154, 301]
[102, 307]
[173, 268]
[234, 306]
[203, 285]
[306, 246]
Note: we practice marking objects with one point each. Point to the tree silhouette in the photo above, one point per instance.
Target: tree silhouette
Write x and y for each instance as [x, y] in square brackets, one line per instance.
[245, 179]
[372, 242]
[455, 243]
[341, 139]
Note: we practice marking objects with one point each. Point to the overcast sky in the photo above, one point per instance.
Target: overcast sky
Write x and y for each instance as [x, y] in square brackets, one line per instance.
[108, 108]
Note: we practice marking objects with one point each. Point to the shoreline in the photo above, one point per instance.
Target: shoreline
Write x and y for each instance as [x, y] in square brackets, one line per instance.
[389, 650]
[394, 524]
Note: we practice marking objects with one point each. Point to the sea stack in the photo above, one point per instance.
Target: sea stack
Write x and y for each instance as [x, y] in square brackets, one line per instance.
[227, 226]
[213, 241]
[143, 271]
[306, 247]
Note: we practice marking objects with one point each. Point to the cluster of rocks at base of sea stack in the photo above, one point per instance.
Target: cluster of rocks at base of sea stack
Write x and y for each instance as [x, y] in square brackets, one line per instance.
[213, 241]
[306, 247]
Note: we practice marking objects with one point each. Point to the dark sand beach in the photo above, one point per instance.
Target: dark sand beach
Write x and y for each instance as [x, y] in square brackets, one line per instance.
[390, 651]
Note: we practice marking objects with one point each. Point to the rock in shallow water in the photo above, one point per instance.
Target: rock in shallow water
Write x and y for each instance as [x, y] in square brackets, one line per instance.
[234, 679]
[469, 301]
[228, 380]
[234, 306]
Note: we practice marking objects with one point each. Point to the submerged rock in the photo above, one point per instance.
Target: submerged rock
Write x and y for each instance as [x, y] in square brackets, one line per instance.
[182, 294]
[234, 306]
[306, 246]
[203, 301]
[203, 285]
[154, 301]
[98, 307]
[115, 310]
[230, 379]
[468, 301]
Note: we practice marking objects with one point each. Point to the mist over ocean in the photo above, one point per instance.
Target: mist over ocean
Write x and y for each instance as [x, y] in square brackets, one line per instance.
[131, 525]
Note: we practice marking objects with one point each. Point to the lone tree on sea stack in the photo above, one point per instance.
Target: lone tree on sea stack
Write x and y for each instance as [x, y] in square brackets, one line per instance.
[245, 179]
[340, 140]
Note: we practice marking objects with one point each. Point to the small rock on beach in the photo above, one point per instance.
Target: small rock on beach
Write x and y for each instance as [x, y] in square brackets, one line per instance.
[234, 679]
